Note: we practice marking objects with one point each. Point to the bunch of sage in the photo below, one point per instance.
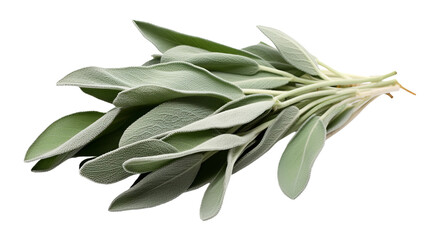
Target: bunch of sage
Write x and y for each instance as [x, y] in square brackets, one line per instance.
[201, 111]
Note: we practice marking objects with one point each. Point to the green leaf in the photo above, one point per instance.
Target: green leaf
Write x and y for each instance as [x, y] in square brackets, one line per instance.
[212, 61]
[156, 59]
[50, 163]
[298, 158]
[107, 168]
[272, 135]
[355, 112]
[215, 193]
[260, 80]
[61, 132]
[107, 95]
[272, 56]
[164, 39]
[193, 140]
[160, 186]
[209, 169]
[163, 82]
[233, 114]
[291, 51]
[169, 116]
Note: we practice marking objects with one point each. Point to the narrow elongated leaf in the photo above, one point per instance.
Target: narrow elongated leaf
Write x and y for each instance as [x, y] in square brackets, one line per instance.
[212, 61]
[260, 80]
[153, 84]
[217, 143]
[169, 116]
[215, 193]
[164, 39]
[356, 112]
[209, 169]
[107, 168]
[298, 158]
[291, 50]
[272, 135]
[60, 132]
[160, 186]
[272, 56]
[107, 95]
[245, 110]
[52, 162]
[339, 120]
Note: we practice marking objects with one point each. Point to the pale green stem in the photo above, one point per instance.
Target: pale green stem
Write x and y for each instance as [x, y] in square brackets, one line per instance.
[331, 83]
[332, 70]
[292, 77]
[261, 91]
[294, 100]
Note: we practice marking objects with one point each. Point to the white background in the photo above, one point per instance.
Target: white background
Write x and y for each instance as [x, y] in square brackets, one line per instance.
[371, 180]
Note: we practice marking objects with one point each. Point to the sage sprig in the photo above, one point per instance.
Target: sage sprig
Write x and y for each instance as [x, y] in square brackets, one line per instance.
[200, 111]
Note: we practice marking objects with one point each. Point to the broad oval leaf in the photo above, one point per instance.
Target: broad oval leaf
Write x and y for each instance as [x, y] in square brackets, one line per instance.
[272, 56]
[60, 132]
[212, 61]
[209, 143]
[164, 39]
[169, 116]
[160, 186]
[298, 158]
[291, 50]
[107, 168]
[50, 163]
[272, 135]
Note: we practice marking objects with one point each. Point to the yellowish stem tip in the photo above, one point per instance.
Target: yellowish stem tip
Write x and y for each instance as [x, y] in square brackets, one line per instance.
[406, 89]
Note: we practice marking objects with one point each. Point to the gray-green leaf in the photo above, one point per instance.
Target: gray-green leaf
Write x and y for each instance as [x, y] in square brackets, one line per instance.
[169, 116]
[164, 39]
[291, 50]
[260, 80]
[212, 61]
[272, 56]
[216, 143]
[107, 168]
[160, 186]
[298, 158]
[272, 135]
[245, 110]
[62, 136]
[215, 193]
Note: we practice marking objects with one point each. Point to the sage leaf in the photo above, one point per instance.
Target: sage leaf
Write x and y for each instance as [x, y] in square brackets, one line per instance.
[156, 59]
[169, 116]
[62, 131]
[209, 169]
[212, 61]
[50, 163]
[356, 112]
[260, 80]
[272, 135]
[215, 193]
[107, 95]
[291, 51]
[217, 143]
[272, 56]
[153, 84]
[164, 39]
[160, 186]
[298, 158]
[226, 117]
[340, 119]
[107, 168]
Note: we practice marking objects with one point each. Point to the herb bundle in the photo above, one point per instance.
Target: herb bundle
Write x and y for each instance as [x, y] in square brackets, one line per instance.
[201, 111]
